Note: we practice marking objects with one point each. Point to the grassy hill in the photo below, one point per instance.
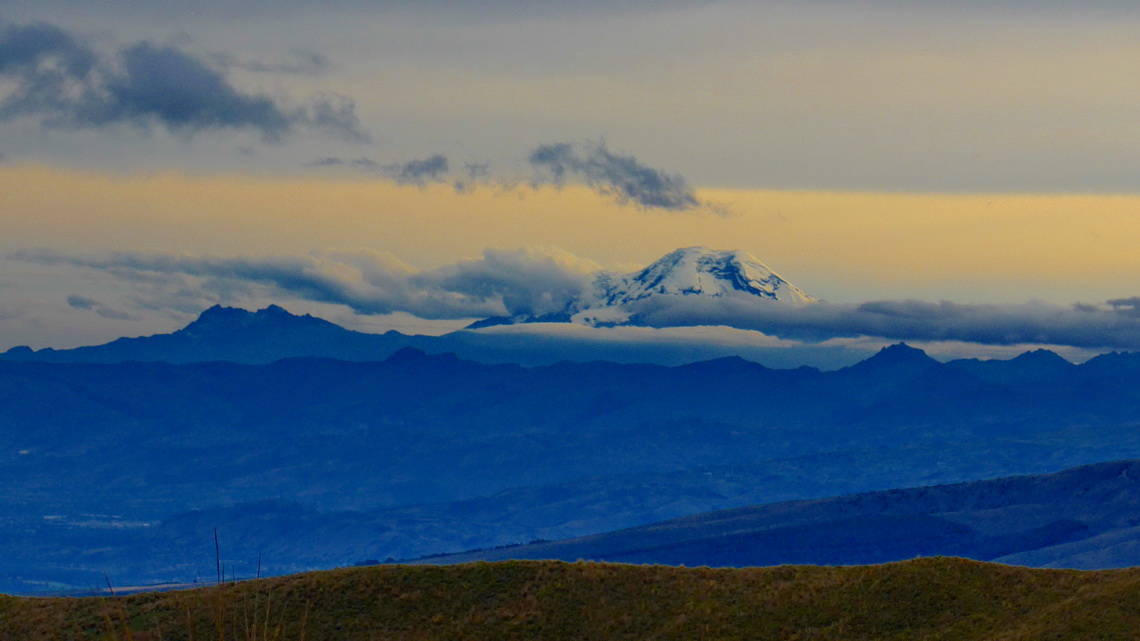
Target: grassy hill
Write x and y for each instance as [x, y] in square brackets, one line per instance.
[940, 598]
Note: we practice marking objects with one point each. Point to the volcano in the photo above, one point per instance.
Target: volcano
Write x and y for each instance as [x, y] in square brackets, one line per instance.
[681, 276]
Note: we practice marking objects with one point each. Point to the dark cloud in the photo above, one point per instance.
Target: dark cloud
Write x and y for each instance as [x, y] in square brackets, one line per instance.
[81, 302]
[24, 48]
[65, 83]
[620, 176]
[366, 163]
[167, 85]
[1127, 306]
[90, 304]
[420, 172]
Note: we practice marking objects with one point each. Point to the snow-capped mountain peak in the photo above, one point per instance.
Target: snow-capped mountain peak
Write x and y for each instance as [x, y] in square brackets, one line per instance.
[683, 276]
[699, 271]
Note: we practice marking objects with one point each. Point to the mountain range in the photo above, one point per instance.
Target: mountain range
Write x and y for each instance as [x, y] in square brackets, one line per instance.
[234, 335]
[611, 300]
[272, 334]
[313, 446]
[1087, 517]
[128, 467]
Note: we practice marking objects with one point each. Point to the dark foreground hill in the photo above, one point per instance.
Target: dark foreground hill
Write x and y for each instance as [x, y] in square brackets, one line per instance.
[940, 598]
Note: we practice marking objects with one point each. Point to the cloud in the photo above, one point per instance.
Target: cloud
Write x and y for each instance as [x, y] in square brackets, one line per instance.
[420, 172]
[528, 281]
[1085, 326]
[500, 283]
[26, 47]
[476, 173]
[478, 170]
[544, 281]
[620, 176]
[64, 82]
[433, 169]
[366, 163]
[1126, 306]
[83, 302]
[333, 113]
[303, 63]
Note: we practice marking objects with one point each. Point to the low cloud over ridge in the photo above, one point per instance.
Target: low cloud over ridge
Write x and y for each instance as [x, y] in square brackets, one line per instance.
[1086, 326]
[536, 282]
[65, 82]
[500, 283]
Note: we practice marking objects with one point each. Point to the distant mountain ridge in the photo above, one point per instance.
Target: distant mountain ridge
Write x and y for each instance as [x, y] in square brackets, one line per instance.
[222, 320]
[271, 334]
[421, 453]
[1086, 517]
[232, 334]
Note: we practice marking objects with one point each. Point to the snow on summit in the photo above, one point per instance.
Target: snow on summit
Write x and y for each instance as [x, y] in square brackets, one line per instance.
[688, 272]
[683, 275]
[700, 271]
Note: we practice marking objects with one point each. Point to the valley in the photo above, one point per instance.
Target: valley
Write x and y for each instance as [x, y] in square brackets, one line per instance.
[127, 468]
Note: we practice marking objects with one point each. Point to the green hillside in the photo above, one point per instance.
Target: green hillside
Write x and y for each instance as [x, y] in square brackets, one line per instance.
[940, 598]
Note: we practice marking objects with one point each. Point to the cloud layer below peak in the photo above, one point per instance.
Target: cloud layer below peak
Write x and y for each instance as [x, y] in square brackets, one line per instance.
[500, 283]
[535, 282]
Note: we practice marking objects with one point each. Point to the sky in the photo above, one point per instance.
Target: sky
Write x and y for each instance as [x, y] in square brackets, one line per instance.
[956, 173]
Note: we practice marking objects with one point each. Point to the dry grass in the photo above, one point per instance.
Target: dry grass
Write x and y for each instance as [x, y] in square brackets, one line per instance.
[921, 599]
